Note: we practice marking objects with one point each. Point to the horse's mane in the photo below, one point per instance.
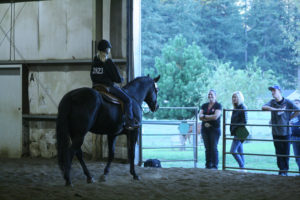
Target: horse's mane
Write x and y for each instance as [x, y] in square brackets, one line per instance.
[135, 80]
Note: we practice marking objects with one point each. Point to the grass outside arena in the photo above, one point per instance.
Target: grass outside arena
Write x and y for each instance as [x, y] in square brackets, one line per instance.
[180, 153]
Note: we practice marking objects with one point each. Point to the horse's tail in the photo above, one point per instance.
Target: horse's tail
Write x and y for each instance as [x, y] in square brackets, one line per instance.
[63, 132]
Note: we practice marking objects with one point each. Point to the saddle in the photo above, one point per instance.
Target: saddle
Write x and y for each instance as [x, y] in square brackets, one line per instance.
[104, 91]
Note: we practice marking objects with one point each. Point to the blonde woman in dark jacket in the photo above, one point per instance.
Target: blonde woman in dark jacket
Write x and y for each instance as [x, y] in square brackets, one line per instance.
[238, 117]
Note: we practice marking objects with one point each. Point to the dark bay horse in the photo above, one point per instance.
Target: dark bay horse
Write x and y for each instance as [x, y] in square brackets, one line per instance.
[82, 110]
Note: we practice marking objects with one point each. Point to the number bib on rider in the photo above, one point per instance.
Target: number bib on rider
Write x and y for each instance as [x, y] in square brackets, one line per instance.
[98, 70]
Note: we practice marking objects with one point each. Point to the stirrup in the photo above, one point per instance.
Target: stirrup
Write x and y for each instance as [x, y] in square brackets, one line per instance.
[131, 126]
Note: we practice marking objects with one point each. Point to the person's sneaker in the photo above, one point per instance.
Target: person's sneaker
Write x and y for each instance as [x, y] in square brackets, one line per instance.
[283, 174]
[242, 170]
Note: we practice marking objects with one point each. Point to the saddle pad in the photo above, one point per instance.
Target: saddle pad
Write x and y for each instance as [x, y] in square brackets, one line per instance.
[110, 98]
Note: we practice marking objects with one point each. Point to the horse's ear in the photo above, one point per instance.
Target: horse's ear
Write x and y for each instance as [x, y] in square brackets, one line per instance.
[157, 78]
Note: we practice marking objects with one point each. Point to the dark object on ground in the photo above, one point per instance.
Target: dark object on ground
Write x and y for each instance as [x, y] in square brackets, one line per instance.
[152, 163]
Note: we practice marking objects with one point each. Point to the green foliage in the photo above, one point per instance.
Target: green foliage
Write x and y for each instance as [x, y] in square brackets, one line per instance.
[215, 26]
[220, 29]
[292, 30]
[226, 45]
[252, 82]
[184, 71]
[271, 38]
[227, 31]
[186, 76]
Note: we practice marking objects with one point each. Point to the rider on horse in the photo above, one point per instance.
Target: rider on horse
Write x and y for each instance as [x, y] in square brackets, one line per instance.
[105, 72]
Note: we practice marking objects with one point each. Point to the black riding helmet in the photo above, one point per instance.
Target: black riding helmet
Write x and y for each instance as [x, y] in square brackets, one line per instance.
[103, 45]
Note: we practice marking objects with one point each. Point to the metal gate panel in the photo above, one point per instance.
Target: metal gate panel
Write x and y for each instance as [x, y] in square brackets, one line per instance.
[10, 111]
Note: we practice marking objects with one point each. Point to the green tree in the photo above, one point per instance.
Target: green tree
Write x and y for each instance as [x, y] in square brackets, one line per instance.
[215, 26]
[187, 75]
[293, 29]
[162, 20]
[253, 82]
[220, 28]
[184, 71]
[153, 34]
[269, 38]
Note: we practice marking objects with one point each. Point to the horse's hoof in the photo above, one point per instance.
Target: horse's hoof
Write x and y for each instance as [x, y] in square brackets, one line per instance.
[90, 180]
[103, 178]
[136, 178]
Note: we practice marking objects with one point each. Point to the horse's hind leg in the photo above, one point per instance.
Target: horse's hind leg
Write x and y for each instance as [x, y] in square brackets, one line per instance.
[111, 155]
[67, 166]
[76, 144]
[85, 170]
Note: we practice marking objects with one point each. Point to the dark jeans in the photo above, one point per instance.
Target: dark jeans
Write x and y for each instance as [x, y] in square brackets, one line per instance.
[125, 98]
[296, 147]
[211, 138]
[282, 148]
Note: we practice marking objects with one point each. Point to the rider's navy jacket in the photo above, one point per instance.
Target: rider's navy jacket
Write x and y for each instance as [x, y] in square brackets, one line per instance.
[105, 72]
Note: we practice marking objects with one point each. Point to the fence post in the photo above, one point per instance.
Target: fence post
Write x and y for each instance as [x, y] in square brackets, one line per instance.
[224, 140]
[195, 139]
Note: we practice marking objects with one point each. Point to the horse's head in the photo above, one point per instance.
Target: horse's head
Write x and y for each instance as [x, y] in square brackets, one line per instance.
[151, 97]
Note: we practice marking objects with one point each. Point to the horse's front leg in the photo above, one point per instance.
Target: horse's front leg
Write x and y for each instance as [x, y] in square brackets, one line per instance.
[111, 155]
[131, 142]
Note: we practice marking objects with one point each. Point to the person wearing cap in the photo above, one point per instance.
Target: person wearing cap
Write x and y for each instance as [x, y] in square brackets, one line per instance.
[281, 133]
[295, 137]
[210, 115]
[105, 72]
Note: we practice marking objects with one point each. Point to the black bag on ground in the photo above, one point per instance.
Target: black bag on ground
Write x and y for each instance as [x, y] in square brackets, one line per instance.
[152, 163]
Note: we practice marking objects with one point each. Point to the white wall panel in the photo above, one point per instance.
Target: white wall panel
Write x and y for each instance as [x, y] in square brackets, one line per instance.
[66, 29]
[47, 85]
[106, 19]
[57, 29]
[26, 42]
[80, 28]
[5, 17]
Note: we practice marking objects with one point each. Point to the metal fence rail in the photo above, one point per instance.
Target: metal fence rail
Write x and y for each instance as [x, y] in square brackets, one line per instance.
[194, 136]
[225, 138]
[173, 122]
